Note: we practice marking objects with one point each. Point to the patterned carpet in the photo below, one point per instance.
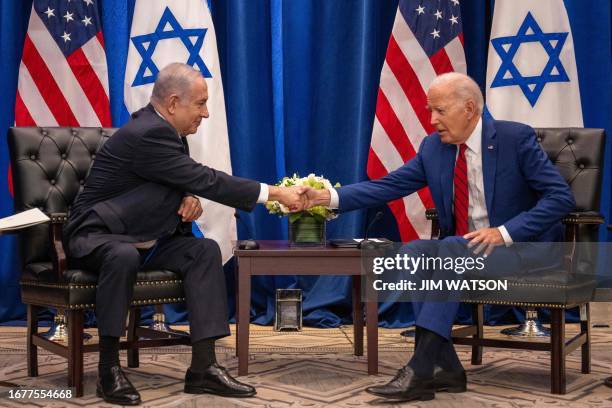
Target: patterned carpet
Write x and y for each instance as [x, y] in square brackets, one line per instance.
[316, 368]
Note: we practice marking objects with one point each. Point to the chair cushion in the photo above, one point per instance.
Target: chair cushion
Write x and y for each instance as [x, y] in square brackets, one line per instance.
[43, 272]
[39, 287]
[546, 288]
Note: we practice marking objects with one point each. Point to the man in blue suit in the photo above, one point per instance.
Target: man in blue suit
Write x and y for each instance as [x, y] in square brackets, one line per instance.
[492, 185]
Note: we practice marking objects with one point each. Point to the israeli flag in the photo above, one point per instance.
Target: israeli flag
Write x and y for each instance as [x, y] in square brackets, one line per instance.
[166, 31]
[532, 76]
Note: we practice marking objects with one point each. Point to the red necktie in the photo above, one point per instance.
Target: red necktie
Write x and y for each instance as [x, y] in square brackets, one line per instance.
[462, 198]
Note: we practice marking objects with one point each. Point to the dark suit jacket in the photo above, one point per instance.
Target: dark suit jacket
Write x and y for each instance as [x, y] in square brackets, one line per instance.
[137, 183]
[523, 190]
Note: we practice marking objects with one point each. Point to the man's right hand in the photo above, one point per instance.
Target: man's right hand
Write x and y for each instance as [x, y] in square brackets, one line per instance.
[291, 197]
[316, 197]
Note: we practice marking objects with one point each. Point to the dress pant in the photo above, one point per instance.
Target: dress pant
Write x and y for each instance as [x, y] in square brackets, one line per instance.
[436, 310]
[197, 260]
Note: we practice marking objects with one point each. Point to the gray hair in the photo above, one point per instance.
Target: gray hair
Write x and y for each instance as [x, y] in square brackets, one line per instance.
[175, 78]
[464, 87]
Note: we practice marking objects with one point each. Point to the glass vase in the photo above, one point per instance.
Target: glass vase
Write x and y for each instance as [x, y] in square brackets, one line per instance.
[307, 231]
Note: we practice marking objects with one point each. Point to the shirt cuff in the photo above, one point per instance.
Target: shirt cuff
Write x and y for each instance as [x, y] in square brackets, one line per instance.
[264, 193]
[334, 200]
[507, 238]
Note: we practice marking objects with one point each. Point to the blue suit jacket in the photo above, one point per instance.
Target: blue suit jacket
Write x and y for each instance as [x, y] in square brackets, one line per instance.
[523, 190]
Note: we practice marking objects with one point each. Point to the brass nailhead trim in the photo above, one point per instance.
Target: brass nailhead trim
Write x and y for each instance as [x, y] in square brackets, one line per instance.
[157, 283]
[57, 285]
[80, 286]
[134, 303]
[538, 285]
[82, 306]
[157, 301]
[523, 304]
[583, 220]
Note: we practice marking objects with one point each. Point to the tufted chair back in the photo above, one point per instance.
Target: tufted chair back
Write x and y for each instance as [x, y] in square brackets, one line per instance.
[578, 154]
[49, 167]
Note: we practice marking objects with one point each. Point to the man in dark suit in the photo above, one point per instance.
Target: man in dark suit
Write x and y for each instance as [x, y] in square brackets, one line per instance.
[135, 213]
[492, 185]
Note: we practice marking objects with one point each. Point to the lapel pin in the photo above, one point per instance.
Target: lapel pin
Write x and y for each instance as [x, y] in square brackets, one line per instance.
[490, 147]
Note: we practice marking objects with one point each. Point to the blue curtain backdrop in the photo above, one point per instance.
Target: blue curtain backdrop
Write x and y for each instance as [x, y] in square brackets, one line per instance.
[300, 80]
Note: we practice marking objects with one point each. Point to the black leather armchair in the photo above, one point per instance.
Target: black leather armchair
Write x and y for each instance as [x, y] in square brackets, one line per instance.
[579, 156]
[50, 166]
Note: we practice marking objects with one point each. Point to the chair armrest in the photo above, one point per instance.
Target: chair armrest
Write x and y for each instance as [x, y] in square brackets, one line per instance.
[583, 217]
[56, 230]
[432, 215]
[572, 222]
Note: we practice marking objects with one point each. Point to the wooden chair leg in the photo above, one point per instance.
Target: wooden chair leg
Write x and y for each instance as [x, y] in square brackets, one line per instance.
[75, 350]
[133, 360]
[557, 354]
[478, 321]
[32, 350]
[585, 327]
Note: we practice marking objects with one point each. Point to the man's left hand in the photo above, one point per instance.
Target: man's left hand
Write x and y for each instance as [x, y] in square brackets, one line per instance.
[190, 209]
[486, 239]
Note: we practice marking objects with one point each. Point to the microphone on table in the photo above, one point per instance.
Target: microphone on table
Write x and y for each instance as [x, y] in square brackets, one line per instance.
[250, 243]
[366, 243]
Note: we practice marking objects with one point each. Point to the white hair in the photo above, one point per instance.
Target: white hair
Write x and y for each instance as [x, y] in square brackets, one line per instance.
[175, 78]
[463, 87]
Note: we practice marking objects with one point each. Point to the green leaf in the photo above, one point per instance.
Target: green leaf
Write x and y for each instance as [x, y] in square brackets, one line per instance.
[293, 217]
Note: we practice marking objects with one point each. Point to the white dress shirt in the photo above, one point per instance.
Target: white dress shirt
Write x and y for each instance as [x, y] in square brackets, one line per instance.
[477, 209]
[478, 217]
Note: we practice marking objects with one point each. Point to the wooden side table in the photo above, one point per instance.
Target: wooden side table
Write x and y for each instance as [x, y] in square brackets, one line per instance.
[277, 258]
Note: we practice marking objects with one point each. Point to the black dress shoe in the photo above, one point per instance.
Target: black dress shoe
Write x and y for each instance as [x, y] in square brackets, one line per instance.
[216, 380]
[405, 386]
[114, 387]
[449, 381]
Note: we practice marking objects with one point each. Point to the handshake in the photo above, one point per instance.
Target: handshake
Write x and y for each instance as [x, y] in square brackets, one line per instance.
[299, 198]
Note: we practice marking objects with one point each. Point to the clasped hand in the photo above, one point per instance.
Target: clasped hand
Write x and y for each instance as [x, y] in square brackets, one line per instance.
[299, 198]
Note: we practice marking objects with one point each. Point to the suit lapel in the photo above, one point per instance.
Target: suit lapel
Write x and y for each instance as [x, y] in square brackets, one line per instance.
[447, 169]
[489, 162]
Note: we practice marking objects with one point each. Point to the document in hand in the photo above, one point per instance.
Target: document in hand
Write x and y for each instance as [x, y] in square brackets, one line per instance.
[23, 220]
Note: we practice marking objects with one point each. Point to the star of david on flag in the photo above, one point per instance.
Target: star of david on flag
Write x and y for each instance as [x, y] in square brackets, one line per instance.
[531, 68]
[509, 74]
[193, 39]
[167, 31]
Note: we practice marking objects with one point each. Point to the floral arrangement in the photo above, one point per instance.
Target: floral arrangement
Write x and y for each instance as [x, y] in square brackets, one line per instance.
[319, 212]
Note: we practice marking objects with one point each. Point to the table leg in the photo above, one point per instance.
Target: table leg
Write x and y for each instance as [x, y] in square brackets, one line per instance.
[357, 315]
[372, 325]
[237, 294]
[244, 306]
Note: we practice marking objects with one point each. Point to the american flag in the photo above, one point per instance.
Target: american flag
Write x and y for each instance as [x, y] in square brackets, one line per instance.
[63, 76]
[426, 41]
